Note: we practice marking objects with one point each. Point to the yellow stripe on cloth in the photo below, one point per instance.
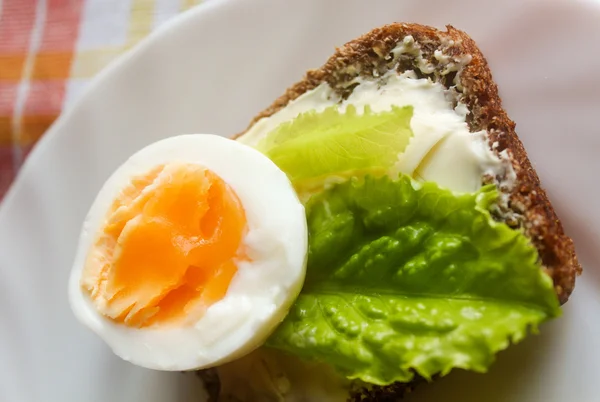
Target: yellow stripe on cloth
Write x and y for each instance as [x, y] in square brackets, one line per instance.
[187, 4]
[141, 20]
[88, 63]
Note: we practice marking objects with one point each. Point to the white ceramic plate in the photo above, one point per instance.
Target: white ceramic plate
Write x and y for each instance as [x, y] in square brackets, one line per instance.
[210, 71]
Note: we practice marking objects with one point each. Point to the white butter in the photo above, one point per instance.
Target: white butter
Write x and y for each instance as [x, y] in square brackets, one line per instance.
[442, 150]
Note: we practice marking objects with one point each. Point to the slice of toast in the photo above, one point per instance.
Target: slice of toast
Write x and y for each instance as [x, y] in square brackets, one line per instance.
[451, 58]
[465, 72]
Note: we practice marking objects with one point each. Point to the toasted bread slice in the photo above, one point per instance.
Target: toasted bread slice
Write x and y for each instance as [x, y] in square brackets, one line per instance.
[527, 205]
[465, 73]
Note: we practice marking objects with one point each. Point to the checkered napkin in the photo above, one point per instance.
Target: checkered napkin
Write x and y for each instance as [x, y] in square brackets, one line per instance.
[49, 50]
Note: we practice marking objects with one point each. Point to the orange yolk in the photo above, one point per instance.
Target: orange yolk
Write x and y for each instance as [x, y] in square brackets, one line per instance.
[168, 247]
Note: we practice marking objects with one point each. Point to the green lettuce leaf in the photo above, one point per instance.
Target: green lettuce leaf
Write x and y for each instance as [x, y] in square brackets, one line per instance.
[317, 144]
[405, 278]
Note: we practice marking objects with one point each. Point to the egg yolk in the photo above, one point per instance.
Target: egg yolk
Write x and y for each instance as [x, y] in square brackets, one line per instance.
[168, 247]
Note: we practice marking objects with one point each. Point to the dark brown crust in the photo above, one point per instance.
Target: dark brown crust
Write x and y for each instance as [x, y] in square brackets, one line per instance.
[389, 393]
[528, 200]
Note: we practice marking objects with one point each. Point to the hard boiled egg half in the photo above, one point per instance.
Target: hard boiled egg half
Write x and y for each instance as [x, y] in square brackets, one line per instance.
[191, 254]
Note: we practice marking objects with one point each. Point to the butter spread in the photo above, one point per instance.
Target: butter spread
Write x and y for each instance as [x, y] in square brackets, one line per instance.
[442, 149]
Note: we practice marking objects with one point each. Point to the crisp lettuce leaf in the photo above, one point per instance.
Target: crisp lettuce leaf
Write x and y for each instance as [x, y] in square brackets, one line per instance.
[406, 278]
[315, 145]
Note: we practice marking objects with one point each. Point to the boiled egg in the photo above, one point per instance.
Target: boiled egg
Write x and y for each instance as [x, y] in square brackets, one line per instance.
[191, 254]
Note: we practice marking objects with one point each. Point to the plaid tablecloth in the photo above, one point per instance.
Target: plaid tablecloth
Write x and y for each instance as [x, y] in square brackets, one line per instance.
[49, 50]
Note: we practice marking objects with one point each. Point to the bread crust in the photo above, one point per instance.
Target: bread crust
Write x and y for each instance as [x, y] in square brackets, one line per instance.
[528, 202]
[528, 205]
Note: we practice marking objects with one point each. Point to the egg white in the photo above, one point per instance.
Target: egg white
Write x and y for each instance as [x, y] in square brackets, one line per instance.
[260, 293]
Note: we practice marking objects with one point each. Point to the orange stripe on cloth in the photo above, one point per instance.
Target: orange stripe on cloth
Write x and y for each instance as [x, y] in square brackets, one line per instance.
[58, 41]
[16, 23]
[33, 127]
[52, 65]
[8, 91]
[5, 130]
[11, 66]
